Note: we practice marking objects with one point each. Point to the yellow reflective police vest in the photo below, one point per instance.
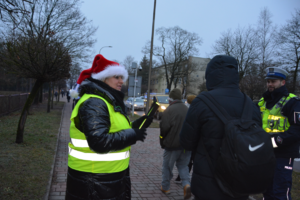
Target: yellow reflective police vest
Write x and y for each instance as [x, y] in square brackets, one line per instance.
[273, 121]
[82, 158]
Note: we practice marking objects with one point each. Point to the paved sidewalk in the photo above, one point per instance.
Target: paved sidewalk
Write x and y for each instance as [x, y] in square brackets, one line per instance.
[145, 165]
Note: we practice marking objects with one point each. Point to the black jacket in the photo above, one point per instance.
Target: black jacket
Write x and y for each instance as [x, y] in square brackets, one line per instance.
[288, 142]
[202, 125]
[171, 123]
[93, 120]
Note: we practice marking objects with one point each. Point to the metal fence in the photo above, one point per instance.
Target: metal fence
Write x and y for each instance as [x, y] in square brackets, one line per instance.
[11, 103]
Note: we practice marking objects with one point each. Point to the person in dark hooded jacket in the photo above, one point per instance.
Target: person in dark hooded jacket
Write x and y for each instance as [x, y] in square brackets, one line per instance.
[202, 125]
[101, 135]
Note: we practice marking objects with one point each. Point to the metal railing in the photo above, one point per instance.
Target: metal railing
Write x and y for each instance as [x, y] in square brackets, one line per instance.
[12, 103]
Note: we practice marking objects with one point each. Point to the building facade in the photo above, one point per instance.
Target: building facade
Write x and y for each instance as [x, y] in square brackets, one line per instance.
[188, 77]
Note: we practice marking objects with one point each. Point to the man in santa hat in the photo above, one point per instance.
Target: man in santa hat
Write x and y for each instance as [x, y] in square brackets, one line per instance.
[101, 135]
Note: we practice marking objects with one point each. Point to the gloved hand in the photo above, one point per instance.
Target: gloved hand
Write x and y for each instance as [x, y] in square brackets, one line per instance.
[140, 134]
[137, 123]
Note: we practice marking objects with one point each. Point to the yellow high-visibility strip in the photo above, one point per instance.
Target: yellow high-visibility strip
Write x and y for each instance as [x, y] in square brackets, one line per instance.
[274, 130]
[99, 157]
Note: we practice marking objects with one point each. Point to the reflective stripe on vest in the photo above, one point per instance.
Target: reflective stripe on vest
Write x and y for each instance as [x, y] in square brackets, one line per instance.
[82, 158]
[98, 156]
[273, 120]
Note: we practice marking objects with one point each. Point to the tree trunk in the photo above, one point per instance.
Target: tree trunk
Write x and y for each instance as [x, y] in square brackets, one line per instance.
[49, 98]
[36, 99]
[23, 117]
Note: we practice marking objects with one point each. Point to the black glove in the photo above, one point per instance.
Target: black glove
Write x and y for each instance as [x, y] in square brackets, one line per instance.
[140, 134]
[137, 123]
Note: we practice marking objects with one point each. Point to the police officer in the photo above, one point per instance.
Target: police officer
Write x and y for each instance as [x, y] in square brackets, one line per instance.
[281, 118]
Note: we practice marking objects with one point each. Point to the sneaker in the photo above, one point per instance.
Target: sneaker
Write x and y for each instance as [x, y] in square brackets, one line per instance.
[187, 191]
[178, 179]
[165, 191]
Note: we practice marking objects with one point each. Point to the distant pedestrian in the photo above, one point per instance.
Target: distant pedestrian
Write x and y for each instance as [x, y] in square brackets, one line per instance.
[56, 95]
[203, 131]
[68, 95]
[62, 93]
[174, 153]
[101, 135]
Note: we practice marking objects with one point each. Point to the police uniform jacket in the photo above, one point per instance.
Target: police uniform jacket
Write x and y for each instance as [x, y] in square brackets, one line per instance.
[94, 121]
[288, 142]
[202, 125]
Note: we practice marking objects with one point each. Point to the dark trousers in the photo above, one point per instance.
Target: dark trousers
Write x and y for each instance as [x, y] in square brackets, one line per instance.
[89, 186]
[282, 181]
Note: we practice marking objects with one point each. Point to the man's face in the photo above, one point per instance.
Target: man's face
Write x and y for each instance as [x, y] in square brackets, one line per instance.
[273, 84]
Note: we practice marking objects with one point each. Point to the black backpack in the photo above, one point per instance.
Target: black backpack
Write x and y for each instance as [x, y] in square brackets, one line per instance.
[246, 162]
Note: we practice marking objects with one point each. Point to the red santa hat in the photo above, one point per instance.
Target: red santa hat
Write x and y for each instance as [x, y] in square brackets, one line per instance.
[100, 70]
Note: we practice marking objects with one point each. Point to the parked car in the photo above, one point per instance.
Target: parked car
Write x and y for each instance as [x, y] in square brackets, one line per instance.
[138, 103]
[128, 102]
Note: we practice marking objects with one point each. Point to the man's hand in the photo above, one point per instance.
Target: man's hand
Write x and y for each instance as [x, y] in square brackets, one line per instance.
[137, 123]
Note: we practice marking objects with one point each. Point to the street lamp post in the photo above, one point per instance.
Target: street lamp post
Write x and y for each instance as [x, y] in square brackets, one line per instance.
[134, 66]
[104, 47]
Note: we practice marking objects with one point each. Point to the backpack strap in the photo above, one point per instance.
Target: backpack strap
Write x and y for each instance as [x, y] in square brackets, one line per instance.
[221, 113]
[248, 107]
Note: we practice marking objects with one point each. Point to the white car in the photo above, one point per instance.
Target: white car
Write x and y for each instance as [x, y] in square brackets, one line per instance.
[137, 103]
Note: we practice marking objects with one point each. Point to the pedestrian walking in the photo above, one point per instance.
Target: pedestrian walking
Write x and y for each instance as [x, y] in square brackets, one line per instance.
[203, 131]
[174, 153]
[68, 95]
[101, 135]
[62, 93]
[189, 99]
[56, 95]
[281, 119]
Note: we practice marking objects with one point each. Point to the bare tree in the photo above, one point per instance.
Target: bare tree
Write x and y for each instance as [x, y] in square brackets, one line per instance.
[13, 9]
[59, 19]
[175, 48]
[266, 44]
[52, 35]
[127, 64]
[43, 60]
[74, 74]
[184, 78]
[241, 44]
[289, 41]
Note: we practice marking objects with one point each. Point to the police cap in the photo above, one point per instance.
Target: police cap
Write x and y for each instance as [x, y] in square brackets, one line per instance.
[276, 73]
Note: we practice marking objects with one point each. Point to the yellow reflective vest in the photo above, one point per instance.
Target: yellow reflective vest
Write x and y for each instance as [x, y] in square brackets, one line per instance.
[273, 121]
[82, 158]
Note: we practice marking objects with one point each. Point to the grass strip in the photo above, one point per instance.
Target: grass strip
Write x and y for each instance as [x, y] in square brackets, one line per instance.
[25, 168]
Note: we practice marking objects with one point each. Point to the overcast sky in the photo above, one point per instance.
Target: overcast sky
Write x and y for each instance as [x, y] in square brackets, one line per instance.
[126, 25]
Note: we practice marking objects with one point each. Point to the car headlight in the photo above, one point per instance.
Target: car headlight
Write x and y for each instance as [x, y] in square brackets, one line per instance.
[163, 107]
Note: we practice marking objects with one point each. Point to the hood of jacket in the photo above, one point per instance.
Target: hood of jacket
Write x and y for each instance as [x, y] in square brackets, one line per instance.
[222, 71]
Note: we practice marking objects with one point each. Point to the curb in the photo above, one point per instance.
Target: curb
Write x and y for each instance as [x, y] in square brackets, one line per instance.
[54, 157]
